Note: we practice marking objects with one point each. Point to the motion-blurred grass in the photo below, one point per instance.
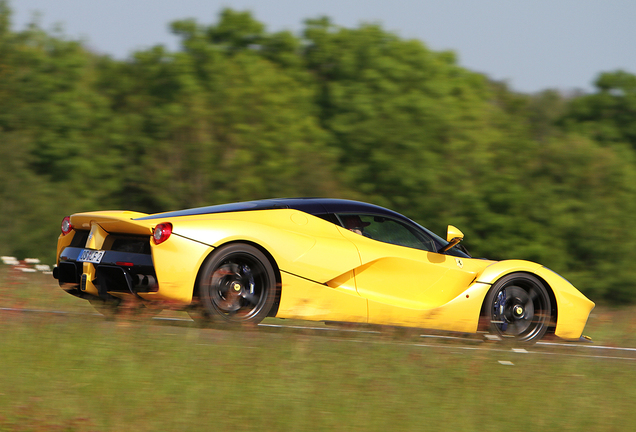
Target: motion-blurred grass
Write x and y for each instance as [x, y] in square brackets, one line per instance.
[79, 372]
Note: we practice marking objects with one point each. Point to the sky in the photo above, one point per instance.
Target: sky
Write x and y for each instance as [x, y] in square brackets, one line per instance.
[532, 45]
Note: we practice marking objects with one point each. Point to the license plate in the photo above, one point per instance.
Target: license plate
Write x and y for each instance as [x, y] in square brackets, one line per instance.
[91, 256]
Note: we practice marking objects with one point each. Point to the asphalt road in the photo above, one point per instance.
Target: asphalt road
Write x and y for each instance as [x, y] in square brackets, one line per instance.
[425, 340]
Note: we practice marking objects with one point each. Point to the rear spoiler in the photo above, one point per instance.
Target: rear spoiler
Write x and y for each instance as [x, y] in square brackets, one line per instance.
[114, 221]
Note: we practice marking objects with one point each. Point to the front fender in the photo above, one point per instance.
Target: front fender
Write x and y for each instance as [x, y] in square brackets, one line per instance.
[498, 269]
[573, 308]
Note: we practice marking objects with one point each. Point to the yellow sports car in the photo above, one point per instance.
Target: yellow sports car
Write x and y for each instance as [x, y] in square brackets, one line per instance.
[314, 259]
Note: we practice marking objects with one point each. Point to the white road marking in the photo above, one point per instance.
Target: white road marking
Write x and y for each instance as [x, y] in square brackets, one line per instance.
[575, 345]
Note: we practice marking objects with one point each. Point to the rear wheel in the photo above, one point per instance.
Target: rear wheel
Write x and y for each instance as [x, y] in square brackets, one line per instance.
[518, 308]
[237, 285]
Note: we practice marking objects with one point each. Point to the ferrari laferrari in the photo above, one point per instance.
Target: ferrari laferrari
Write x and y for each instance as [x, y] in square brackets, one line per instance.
[318, 259]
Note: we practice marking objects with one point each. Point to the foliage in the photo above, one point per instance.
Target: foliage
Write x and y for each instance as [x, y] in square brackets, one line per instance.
[607, 115]
[240, 113]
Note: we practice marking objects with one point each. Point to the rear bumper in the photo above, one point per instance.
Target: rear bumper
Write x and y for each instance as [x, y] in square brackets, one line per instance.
[116, 273]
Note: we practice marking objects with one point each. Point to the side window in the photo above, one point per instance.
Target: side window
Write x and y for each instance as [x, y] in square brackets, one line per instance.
[329, 217]
[386, 230]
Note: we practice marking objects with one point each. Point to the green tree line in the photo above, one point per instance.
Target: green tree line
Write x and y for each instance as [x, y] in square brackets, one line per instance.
[240, 113]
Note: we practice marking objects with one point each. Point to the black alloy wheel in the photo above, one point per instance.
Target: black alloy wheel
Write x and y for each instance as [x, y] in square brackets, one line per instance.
[237, 285]
[518, 308]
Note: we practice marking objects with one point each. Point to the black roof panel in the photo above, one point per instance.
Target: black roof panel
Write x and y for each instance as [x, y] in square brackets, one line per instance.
[313, 206]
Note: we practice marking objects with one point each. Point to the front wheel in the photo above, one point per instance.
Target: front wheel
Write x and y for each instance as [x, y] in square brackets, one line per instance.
[237, 285]
[518, 308]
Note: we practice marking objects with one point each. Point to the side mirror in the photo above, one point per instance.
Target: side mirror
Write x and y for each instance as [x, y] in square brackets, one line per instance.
[453, 237]
[453, 234]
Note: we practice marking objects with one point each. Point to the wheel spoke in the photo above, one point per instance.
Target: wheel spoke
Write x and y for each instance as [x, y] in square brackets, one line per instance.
[520, 326]
[229, 301]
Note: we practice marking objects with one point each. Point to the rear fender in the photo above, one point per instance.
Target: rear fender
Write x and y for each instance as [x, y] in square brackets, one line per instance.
[177, 262]
[299, 243]
[63, 241]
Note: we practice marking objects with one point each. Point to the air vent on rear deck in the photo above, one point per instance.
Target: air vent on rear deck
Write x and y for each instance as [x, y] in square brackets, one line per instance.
[130, 244]
[79, 238]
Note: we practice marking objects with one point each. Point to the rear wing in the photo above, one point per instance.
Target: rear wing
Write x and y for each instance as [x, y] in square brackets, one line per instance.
[114, 222]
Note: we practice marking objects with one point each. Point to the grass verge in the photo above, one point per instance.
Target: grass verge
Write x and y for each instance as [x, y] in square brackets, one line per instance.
[81, 373]
[89, 374]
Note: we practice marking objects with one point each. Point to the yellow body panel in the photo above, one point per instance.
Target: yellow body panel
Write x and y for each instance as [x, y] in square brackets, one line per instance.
[573, 307]
[177, 264]
[89, 271]
[97, 237]
[303, 299]
[496, 269]
[63, 241]
[410, 278]
[410, 287]
[459, 314]
[113, 221]
[284, 234]
[95, 241]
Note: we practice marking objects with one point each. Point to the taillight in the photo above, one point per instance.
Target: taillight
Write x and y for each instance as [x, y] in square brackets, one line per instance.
[66, 225]
[162, 232]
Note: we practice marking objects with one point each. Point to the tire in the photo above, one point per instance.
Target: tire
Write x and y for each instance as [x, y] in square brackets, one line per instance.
[518, 308]
[237, 285]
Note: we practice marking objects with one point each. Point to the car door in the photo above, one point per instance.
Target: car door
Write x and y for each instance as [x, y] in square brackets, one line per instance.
[401, 267]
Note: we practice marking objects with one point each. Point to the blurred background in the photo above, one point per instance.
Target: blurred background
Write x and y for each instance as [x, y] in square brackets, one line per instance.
[532, 159]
